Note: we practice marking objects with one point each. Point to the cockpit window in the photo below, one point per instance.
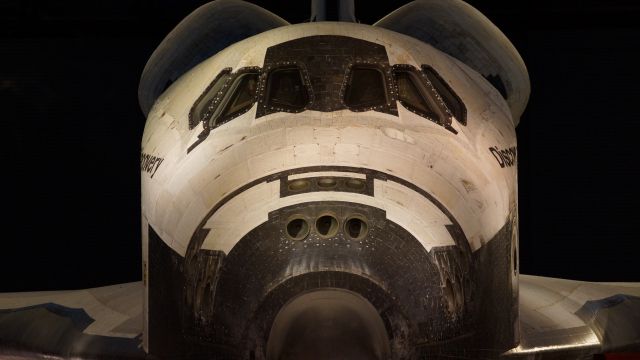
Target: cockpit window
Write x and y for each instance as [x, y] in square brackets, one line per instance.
[209, 100]
[450, 98]
[286, 90]
[239, 99]
[365, 88]
[418, 94]
[412, 94]
[228, 96]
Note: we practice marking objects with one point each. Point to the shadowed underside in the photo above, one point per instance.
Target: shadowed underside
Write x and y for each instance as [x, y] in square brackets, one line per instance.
[328, 324]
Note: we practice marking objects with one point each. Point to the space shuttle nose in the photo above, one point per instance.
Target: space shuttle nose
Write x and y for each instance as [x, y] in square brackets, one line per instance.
[325, 190]
[331, 274]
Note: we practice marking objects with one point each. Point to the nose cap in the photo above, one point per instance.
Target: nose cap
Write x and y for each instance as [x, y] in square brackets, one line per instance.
[328, 324]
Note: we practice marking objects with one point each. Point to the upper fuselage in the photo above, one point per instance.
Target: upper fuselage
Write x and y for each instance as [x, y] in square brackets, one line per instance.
[460, 170]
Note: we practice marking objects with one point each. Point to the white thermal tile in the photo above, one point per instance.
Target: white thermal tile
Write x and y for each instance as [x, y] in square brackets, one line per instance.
[300, 135]
[440, 234]
[270, 162]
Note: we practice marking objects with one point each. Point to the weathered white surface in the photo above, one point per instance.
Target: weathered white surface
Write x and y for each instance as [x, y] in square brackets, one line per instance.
[456, 169]
[549, 303]
[116, 309]
[547, 313]
[251, 208]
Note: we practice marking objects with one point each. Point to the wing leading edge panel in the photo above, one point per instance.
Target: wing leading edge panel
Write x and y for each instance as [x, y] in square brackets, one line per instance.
[576, 319]
[103, 322]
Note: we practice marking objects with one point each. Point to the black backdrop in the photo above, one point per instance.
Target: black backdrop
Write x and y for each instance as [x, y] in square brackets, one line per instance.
[71, 131]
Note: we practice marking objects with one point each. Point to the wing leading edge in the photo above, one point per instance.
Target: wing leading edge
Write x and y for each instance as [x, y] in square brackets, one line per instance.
[104, 322]
[565, 319]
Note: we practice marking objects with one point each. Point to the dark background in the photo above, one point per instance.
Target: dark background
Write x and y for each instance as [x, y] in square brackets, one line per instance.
[71, 130]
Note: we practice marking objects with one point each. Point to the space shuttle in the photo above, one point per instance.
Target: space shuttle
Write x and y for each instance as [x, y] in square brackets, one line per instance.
[330, 190]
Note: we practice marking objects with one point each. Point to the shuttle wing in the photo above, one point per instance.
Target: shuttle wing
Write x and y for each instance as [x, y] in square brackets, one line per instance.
[558, 319]
[104, 322]
[574, 319]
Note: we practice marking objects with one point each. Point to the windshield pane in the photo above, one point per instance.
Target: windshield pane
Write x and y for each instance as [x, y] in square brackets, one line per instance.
[365, 88]
[244, 92]
[410, 95]
[450, 98]
[286, 89]
[206, 105]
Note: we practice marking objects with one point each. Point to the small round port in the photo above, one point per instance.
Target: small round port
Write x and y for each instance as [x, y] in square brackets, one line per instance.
[327, 225]
[355, 184]
[298, 228]
[356, 228]
[298, 185]
[327, 183]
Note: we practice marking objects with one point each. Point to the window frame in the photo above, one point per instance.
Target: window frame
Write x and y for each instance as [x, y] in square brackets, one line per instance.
[214, 102]
[233, 83]
[266, 85]
[429, 94]
[214, 120]
[422, 93]
[427, 69]
[347, 83]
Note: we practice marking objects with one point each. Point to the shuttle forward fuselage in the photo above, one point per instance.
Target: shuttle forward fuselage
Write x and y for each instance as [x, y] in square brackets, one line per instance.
[326, 157]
